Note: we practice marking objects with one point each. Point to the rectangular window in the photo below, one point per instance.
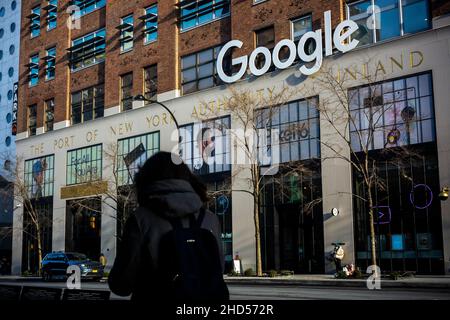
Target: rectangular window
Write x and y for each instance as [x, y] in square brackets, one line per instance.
[52, 14]
[33, 70]
[197, 12]
[87, 104]
[84, 165]
[35, 21]
[150, 20]
[32, 112]
[38, 176]
[126, 88]
[126, 33]
[49, 115]
[195, 138]
[87, 50]
[264, 38]
[87, 6]
[390, 18]
[301, 26]
[50, 60]
[296, 125]
[135, 150]
[198, 70]
[151, 82]
[392, 113]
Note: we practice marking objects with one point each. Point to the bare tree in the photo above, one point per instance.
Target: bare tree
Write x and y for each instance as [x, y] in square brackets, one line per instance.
[252, 112]
[119, 194]
[347, 140]
[36, 219]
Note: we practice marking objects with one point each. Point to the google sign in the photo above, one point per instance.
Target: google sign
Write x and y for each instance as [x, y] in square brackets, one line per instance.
[340, 38]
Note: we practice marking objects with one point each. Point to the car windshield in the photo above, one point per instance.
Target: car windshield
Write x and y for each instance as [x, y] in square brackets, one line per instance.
[76, 256]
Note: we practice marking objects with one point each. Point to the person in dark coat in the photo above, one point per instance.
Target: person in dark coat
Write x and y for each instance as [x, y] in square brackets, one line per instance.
[164, 190]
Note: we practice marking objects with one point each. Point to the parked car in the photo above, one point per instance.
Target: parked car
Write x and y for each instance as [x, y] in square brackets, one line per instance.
[55, 264]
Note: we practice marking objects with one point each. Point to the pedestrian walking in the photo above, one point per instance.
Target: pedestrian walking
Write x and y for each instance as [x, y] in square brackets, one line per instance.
[171, 246]
[103, 260]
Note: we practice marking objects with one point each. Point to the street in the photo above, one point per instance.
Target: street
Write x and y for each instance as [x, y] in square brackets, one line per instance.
[277, 292]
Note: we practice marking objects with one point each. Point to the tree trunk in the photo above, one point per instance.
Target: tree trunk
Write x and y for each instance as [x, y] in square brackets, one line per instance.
[257, 237]
[256, 220]
[39, 244]
[373, 249]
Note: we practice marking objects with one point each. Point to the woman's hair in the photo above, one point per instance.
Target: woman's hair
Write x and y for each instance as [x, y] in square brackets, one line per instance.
[161, 166]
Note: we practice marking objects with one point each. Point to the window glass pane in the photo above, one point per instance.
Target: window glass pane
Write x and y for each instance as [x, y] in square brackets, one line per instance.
[403, 107]
[205, 70]
[415, 15]
[205, 83]
[301, 26]
[189, 61]
[389, 19]
[360, 12]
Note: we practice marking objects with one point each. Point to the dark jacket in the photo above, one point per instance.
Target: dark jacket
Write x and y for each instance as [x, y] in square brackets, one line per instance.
[134, 268]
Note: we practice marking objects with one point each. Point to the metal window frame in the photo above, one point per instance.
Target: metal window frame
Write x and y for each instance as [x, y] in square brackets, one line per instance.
[94, 103]
[215, 4]
[71, 166]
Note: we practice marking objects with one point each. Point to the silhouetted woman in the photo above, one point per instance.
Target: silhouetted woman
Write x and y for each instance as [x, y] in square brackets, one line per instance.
[153, 261]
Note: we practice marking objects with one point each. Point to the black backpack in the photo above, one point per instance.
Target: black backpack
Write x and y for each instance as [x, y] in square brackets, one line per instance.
[189, 263]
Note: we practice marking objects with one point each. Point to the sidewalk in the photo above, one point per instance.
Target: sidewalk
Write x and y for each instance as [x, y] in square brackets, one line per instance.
[420, 282]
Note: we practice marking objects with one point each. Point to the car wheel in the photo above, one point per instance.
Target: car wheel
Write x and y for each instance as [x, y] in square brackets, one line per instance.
[46, 276]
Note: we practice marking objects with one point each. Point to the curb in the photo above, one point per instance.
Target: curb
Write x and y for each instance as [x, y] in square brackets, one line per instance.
[339, 283]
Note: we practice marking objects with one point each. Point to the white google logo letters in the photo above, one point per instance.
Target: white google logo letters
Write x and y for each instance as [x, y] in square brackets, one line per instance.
[342, 32]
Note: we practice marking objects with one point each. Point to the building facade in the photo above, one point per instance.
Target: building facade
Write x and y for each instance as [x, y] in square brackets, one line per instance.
[82, 63]
[9, 75]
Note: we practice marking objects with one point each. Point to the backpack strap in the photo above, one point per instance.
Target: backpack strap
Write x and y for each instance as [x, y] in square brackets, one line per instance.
[193, 223]
[197, 223]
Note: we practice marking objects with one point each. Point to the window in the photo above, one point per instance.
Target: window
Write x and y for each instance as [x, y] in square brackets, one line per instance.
[87, 6]
[264, 38]
[198, 12]
[395, 18]
[296, 125]
[49, 115]
[151, 24]
[32, 120]
[88, 50]
[126, 33]
[392, 113]
[35, 21]
[84, 165]
[150, 146]
[126, 88]
[150, 82]
[52, 14]
[301, 26]
[50, 60]
[33, 70]
[198, 70]
[409, 223]
[39, 176]
[195, 138]
[87, 104]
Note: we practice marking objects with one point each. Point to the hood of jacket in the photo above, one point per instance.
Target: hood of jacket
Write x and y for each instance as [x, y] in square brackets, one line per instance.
[172, 198]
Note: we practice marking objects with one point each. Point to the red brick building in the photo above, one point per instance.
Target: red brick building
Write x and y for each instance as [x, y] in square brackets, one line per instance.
[83, 62]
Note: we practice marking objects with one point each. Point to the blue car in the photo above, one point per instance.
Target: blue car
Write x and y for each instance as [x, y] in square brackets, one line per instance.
[55, 264]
